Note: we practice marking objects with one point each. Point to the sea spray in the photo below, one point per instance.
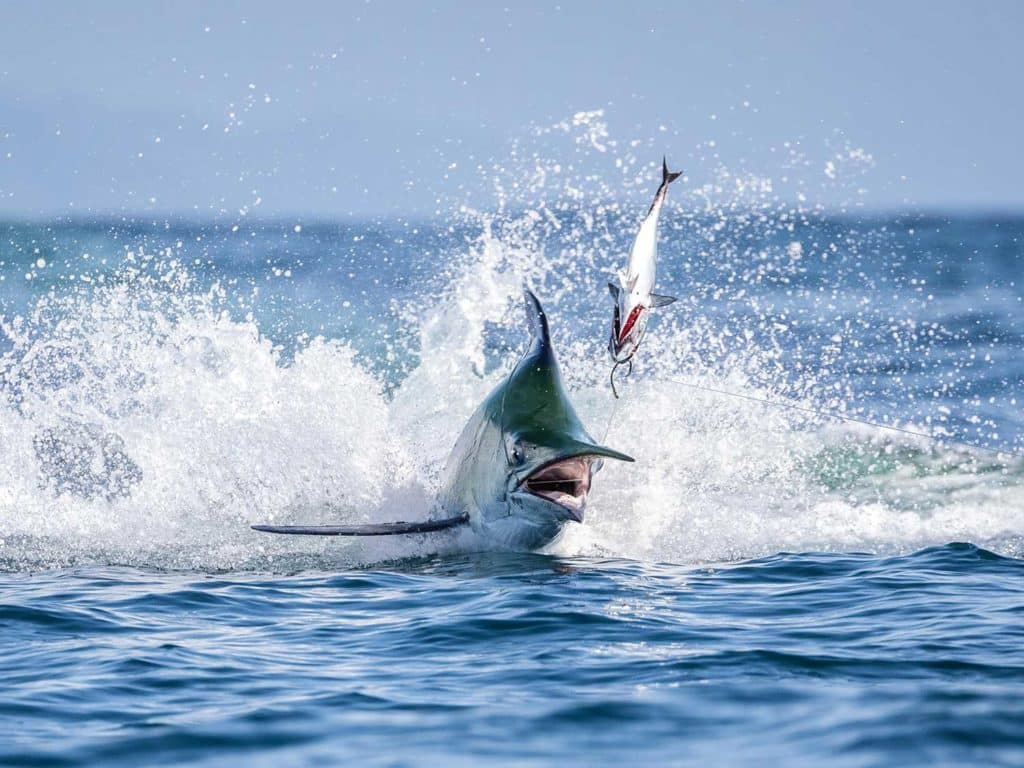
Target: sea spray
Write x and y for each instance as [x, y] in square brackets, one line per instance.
[158, 399]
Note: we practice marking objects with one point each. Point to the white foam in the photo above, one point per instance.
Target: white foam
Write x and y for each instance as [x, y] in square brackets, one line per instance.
[141, 424]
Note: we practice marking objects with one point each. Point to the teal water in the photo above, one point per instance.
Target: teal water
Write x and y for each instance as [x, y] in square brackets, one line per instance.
[763, 586]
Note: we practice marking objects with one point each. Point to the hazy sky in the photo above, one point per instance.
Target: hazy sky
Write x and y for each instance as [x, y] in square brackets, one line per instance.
[334, 108]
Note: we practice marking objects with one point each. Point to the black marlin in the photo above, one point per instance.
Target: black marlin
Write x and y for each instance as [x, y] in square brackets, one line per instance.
[522, 467]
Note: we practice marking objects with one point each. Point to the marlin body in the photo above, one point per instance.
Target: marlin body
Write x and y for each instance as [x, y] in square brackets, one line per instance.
[522, 467]
[634, 296]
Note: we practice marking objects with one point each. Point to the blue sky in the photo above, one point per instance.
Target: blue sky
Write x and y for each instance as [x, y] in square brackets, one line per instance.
[363, 108]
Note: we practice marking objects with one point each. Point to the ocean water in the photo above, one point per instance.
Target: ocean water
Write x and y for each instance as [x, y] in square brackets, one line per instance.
[766, 583]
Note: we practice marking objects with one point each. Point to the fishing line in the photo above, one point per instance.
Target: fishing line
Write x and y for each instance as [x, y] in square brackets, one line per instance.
[611, 416]
[852, 419]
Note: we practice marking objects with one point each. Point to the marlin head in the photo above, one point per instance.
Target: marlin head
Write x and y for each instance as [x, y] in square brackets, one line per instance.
[523, 465]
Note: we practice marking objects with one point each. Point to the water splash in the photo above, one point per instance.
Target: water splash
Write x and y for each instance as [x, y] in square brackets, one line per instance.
[149, 419]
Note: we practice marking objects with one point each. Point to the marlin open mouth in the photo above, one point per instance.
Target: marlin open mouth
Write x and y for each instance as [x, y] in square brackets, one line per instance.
[565, 483]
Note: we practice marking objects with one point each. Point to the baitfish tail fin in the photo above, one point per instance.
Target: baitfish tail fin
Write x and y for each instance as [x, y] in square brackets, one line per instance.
[667, 176]
[660, 300]
[370, 529]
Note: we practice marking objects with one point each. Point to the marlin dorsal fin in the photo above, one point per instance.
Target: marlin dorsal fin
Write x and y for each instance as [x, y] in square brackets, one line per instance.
[536, 320]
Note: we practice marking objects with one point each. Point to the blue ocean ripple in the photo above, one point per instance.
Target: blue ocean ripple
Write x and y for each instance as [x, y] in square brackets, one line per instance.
[824, 656]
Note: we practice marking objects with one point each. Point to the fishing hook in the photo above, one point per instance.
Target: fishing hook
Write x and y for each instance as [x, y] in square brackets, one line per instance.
[611, 377]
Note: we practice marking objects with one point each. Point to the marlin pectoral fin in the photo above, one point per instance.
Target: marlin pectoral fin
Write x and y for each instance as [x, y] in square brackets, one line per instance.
[658, 300]
[370, 529]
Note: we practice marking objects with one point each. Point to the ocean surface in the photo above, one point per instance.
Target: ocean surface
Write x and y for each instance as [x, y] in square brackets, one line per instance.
[767, 584]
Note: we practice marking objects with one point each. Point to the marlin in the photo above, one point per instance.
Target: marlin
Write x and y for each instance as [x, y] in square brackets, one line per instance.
[521, 468]
[634, 296]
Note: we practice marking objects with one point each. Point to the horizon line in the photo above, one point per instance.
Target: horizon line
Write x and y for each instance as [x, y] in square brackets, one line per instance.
[313, 218]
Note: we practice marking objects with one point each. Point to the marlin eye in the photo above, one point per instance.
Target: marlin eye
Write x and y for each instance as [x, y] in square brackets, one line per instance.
[514, 450]
[517, 451]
